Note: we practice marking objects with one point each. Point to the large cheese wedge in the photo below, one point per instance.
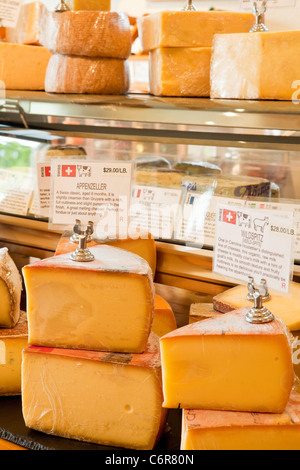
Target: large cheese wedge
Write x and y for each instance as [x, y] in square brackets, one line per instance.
[103, 5]
[27, 30]
[143, 246]
[227, 430]
[104, 305]
[12, 343]
[108, 399]
[164, 319]
[87, 75]
[286, 307]
[227, 363]
[23, 67]
[189, 28]
[255, 66]
[10, 291]
[180, 71]
[87, 33]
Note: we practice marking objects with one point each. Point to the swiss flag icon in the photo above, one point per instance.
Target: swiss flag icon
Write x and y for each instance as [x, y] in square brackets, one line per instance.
[229, 217]
[68, 170]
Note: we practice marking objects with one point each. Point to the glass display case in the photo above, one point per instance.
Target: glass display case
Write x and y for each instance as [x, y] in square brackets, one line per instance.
[181, 148]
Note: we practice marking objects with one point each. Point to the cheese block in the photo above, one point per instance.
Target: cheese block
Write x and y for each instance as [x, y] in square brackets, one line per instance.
[189, 28]
[104, 305]
[10, 290]
[103, 5]
[226, 363]
[12, 342]
[27, 30]
[164, 319]
[147, 161]
[255, 66]
[183, 71]
[46, 153]
[233, 186]
[159, 177]
[87, 75]
[23, 67]
[87, 33]
[285, 307]
[143, 246]
[227, 430]
[107, 399]
[202, 311]
[196, 168]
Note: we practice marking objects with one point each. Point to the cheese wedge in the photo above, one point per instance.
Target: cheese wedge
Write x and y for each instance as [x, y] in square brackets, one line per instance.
[180, 71]
[144, 246]
[12, 343]
[160, 177]
[228, 364]
[227, 430]
[164, 318]
[23, 67]
[72, 74]
[202, 311]
[103, 5]
[87, 33]
[103, 305]
[285, 307]
[189, 28]
[255, 66]
[10, 291]
[108, 399]
[27, 30]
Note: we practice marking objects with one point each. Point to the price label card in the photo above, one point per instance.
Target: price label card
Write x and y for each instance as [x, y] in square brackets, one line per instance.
[255, 243]
[91, 191]
[155, 210]
[9, 12]
[15, 191]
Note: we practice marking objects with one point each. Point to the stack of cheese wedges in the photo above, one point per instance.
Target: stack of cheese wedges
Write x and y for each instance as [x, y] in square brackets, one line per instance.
[234, 381]
[23, 61]
[90, 51]
[92, 371]
[13, 326]
[179, 45]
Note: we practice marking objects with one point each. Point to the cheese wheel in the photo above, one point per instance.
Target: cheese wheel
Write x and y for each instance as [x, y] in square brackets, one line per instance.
[86, 75]
[87, 33]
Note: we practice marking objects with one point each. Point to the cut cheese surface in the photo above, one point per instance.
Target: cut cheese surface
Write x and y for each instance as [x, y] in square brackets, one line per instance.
[189, 28]
[87, 33]
[27, 30]
[143, 246]
[10, 291]
[12, 342]
[164, 318]
[109, 399]
[285, 307]
[104, 305]
[180, 71]
[160, 177]
[226, 430]
[103, 5]
[23, 67]
[255, 66]
[87, 75]
[226, 363]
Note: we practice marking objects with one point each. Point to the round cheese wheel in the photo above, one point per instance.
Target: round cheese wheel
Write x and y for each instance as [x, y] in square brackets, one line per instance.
[87, 33]
[87, 75]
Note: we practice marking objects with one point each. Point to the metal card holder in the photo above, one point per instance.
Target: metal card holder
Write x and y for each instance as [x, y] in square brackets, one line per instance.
[62, 7]
[189, 6]
[259, 10]
[258, 314]
[82, 237]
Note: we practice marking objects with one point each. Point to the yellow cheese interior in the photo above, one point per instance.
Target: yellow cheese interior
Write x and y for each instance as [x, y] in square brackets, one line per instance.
[238, 373]
[180, 71]
[116, 405]
[23, 67]
[106, 311]
[5, 305]
[243, 438]
[102, 5]
[10, 365]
